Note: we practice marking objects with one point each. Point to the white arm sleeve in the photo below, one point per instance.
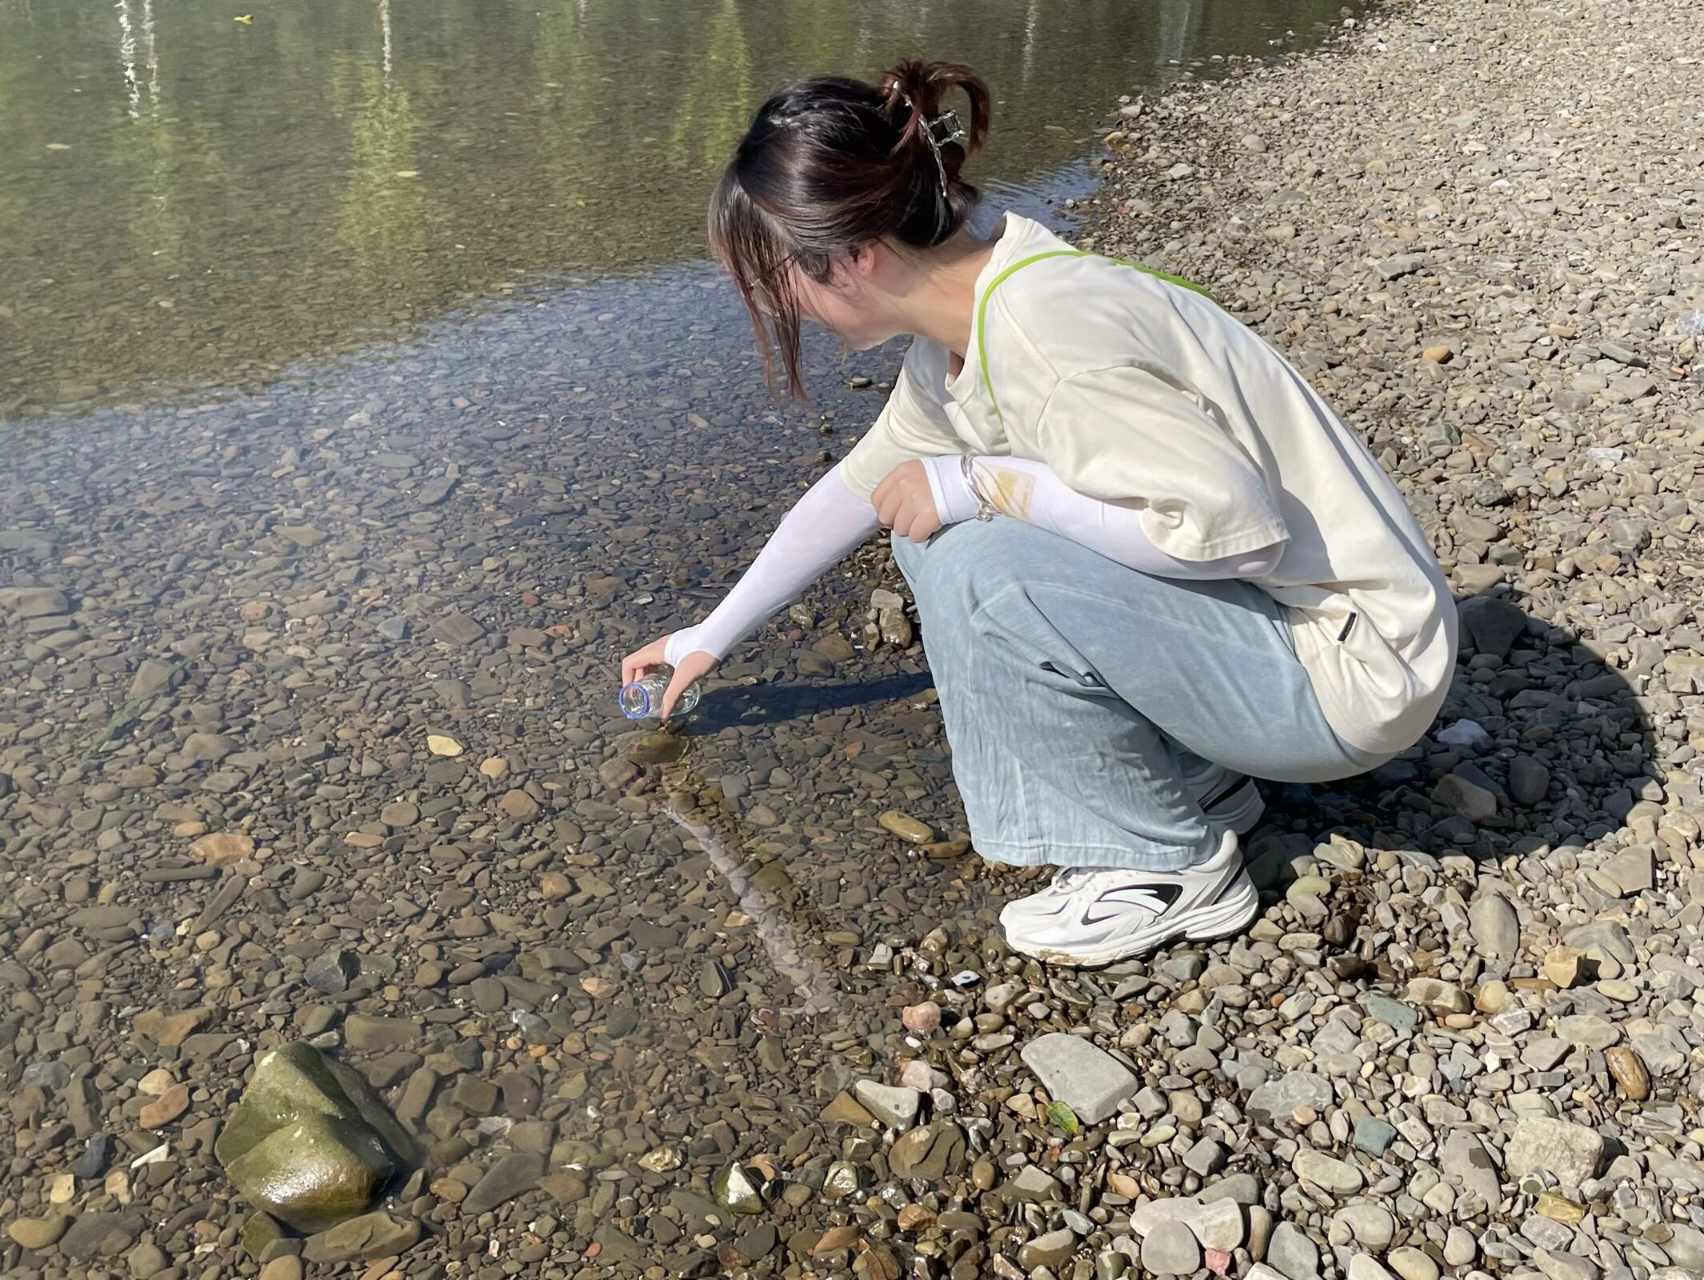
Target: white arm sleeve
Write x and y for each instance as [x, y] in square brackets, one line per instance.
[1031, 492]
[824, 526]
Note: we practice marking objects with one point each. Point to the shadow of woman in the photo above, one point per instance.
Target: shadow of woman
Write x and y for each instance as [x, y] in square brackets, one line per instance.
[1542, 742]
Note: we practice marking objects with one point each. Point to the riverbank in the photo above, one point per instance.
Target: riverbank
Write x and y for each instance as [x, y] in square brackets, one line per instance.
[306, 733]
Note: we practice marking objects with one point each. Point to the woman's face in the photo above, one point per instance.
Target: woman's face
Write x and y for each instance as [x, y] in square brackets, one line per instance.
[844, 304]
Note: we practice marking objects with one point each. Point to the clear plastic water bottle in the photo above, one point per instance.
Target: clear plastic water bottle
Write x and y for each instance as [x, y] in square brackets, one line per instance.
[643, 699]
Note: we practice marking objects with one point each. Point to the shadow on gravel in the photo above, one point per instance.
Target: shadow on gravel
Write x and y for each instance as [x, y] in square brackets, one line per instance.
[771, 703]
[1540, 742]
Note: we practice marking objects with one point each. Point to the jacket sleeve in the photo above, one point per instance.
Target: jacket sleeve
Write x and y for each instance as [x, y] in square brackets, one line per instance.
[823, 527]
[1126, 434]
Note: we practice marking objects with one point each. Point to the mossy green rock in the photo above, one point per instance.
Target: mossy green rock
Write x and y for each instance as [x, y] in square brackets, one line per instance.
[310, 1142]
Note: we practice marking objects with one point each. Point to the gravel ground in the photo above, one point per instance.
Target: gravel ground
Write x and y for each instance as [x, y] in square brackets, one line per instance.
[306, 734]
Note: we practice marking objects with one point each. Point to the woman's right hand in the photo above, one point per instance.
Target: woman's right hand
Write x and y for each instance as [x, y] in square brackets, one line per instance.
[693, 667]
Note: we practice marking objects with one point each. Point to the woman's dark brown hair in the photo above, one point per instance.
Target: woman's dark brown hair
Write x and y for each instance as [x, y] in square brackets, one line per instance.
[832, 164]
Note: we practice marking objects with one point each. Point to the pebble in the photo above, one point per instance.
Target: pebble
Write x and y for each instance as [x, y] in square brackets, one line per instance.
[1170, 1249]
[1495, 926]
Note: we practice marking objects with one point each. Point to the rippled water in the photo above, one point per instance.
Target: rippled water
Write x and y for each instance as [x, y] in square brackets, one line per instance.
[189, 200]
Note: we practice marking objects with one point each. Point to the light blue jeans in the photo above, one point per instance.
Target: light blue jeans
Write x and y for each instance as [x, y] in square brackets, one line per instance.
[1078, 694]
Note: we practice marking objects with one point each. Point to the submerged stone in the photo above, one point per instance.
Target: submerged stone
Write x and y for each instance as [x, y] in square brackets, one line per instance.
[310, 1143]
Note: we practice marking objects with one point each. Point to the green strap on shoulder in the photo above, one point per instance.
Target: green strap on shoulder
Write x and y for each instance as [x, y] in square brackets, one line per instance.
[982, 306]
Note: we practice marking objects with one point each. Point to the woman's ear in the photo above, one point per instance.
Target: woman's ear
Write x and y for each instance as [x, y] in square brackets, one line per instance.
[861, 260]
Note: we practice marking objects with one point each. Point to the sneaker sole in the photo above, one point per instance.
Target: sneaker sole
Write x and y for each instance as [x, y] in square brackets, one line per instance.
[1231, 914]
[1241, 810]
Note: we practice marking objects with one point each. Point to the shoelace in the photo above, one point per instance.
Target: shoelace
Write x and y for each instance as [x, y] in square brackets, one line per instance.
[1066, 879]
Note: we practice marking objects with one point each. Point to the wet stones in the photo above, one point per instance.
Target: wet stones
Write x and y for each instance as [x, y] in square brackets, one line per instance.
[1081, 1075]
[367, 1034]
[374, 1235]
[168, 1107]
[736, 1192]
[222, 848]
[929, 1154]
[309, 1143]
[170, 1030]
[38, 1233]
[512, 1175]
[892, 1105]
[154, 676]
[456, 628]
[906, 827]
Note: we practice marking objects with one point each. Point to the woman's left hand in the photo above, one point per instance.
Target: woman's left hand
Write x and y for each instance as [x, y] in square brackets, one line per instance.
[905, 503]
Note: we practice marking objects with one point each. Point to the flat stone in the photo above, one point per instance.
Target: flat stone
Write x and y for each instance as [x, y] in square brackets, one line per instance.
[1466, 797]
[1465, 1161]
[1633, 870]
[1030, 1182]
[1588, 1030]
[38, 1233]
[457, 629]
[94, 1235]
[1393, 1013]
[373, 1235]
[1569, 1151]
[163, 1110]
[1373, 1135]
[1085, 1078]
[152, 677]
[1051, 1249]
[1529, 781]
[366, 1034]
[1493, 624]
[1171, 1249]
[1278, 1099]
[1364, 1266]
[1292, 1252]
[1335, 1176]
[1435, 993]
[930, 1153]
[513, 1175]
[906, 827]
[1371, 1225]
[894, 1106]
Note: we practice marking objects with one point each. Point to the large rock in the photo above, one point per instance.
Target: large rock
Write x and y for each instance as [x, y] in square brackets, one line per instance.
[1085, 1078]
[310, 1142]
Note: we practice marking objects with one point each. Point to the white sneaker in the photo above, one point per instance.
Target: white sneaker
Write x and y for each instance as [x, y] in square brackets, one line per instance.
[1096, 915]
[1228, 799]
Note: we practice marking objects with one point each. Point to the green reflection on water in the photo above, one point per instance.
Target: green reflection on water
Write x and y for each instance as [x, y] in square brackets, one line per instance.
[188, 200]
